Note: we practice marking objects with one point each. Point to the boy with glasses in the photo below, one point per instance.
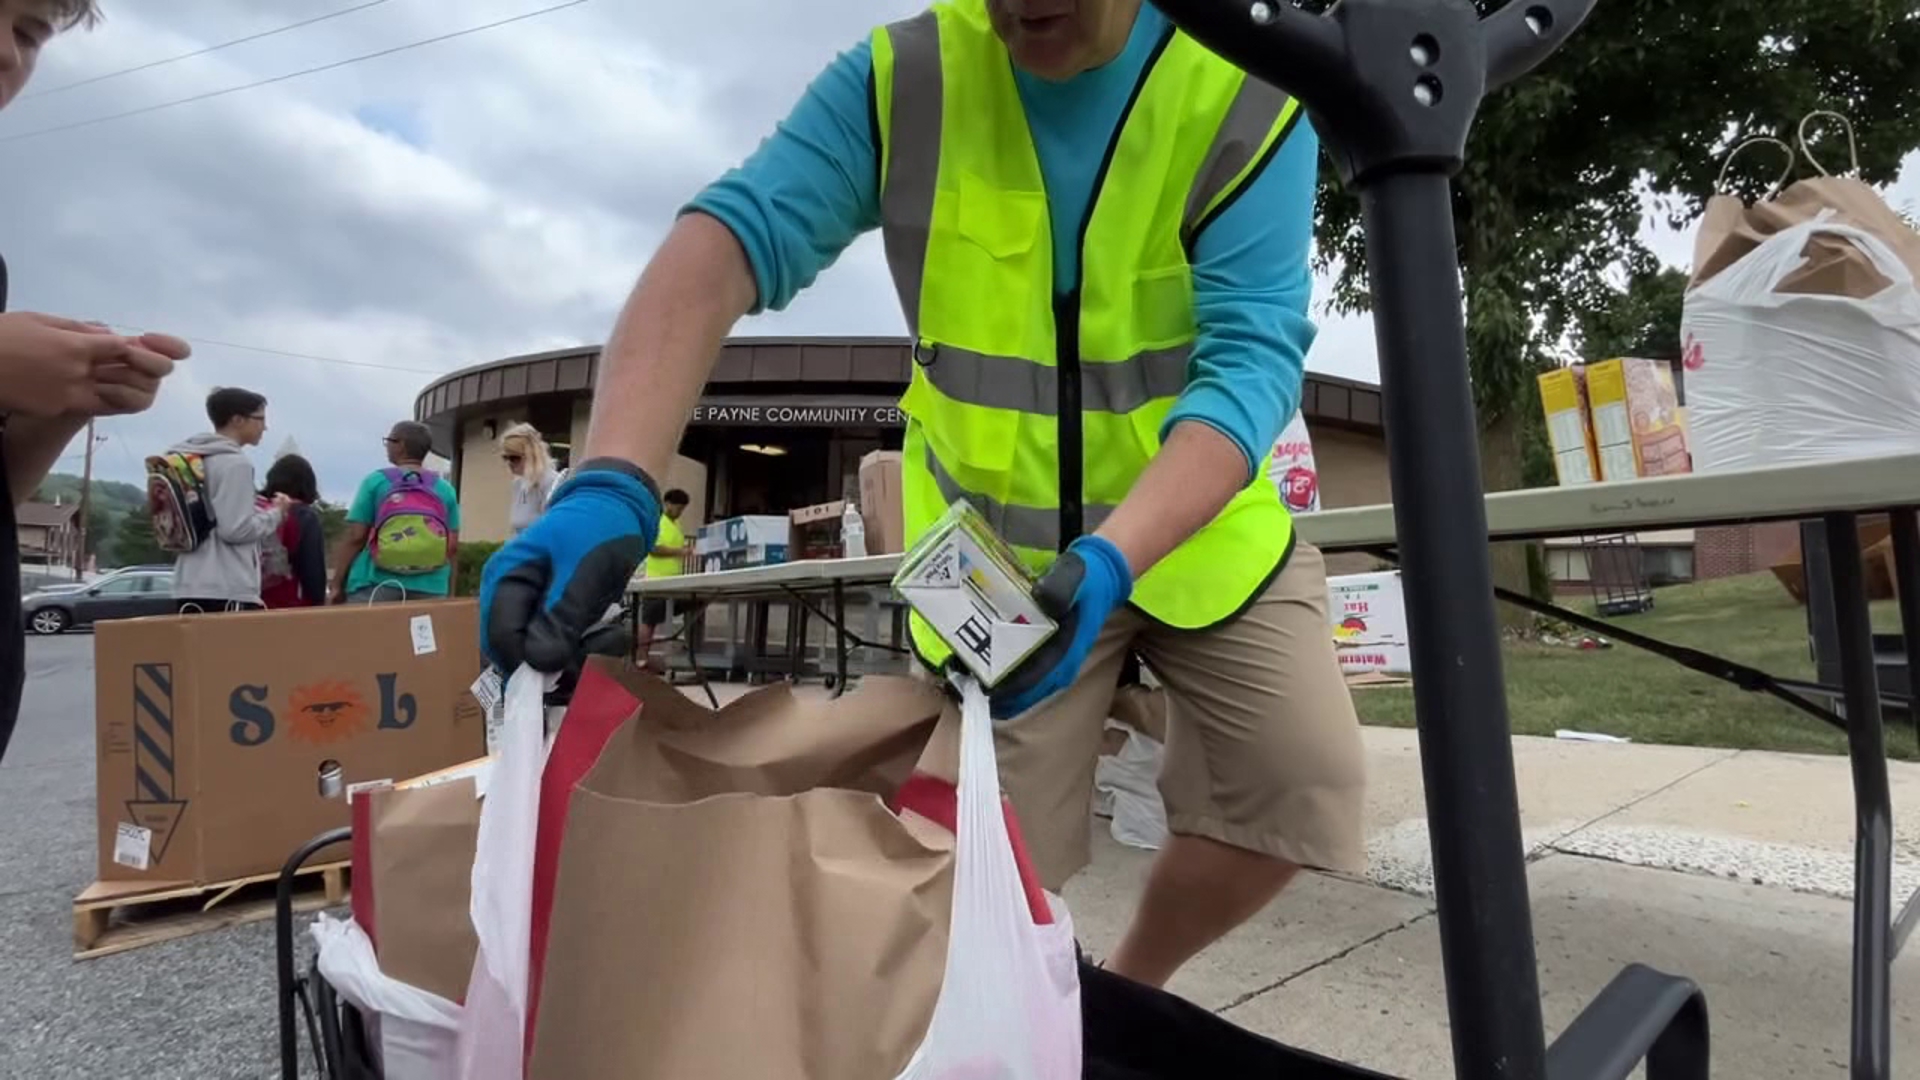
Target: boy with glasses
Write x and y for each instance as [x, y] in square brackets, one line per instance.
[222, 572]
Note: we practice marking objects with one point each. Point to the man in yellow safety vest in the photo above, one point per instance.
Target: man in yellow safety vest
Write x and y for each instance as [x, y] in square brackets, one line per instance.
[1099, 232]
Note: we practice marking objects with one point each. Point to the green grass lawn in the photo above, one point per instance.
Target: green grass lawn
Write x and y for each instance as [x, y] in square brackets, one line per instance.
[1647, 698]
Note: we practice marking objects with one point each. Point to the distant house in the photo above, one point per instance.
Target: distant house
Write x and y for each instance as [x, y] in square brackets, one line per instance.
[49, 533]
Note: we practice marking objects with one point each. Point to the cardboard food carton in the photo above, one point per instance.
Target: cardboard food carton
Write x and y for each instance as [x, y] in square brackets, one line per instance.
[1563, 396]
[225, 741]
[1638, 426]
[1369, 616]
[975, 593]
[880, 506]
[816, 531]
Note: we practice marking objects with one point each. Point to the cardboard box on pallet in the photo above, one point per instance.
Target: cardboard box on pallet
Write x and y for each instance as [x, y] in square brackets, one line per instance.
[225, 741]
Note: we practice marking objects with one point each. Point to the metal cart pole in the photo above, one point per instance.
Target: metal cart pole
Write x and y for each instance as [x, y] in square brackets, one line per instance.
[1392, 87]
[283, 948]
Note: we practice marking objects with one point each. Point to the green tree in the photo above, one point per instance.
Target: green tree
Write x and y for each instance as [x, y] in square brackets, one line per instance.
[134, 543]
[1644, 101]
[100, 533]
[1642, 319]
[333, 520]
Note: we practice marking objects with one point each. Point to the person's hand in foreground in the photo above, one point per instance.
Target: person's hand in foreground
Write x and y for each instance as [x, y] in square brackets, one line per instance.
[52, 366]
[1079, 591]
[543, 595]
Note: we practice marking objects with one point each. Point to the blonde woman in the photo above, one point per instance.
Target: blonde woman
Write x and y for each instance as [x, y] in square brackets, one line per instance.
[534, 476]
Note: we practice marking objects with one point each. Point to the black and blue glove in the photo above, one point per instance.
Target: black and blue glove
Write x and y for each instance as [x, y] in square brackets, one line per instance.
[1079, 591]
[544, 595]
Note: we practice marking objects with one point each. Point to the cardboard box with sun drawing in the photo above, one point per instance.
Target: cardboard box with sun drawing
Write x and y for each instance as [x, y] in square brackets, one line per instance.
[225, 741]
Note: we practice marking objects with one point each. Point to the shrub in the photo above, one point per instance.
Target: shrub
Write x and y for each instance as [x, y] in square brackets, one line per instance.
[473, 555]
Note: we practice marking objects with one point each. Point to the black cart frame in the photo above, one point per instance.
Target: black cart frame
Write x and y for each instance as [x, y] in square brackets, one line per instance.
[1392, 87]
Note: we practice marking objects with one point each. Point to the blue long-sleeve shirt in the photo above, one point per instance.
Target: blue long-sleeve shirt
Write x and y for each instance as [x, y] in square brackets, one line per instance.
[812, 187]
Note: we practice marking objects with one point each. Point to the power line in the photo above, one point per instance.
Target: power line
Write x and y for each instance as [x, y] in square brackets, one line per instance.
[292, 74]
[285, 352]
[63, 88]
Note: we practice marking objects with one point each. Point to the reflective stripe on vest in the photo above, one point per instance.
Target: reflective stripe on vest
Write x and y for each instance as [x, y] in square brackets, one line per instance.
[999, 355]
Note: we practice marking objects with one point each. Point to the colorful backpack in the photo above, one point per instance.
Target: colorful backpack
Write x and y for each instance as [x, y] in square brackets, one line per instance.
[410, 524]
[178, 501]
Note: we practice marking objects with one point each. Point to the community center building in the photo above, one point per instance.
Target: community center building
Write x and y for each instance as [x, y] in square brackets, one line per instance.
[784, 423]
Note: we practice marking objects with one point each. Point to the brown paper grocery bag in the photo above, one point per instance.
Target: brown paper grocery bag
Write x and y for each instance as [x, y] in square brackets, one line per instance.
[422, 854]
[1730, 229]
[735, 900]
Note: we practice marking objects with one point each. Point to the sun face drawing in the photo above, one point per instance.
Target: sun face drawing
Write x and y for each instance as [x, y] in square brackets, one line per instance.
[327, 712]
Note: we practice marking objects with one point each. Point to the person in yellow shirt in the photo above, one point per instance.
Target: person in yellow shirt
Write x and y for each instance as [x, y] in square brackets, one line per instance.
[669, 550]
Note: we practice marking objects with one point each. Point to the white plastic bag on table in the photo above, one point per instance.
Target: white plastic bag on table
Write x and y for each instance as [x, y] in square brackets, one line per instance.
[1131, 780]
[414, 1032]
[493, 1027]
[1009, 1005]
[1781, 378]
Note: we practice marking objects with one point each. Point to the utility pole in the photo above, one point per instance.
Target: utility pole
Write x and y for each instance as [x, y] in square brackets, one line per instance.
[86, 507]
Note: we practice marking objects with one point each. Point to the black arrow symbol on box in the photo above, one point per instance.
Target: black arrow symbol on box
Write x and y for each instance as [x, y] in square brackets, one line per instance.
[153, 806]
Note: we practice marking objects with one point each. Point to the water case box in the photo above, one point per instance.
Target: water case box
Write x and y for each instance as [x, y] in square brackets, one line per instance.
[975, 593]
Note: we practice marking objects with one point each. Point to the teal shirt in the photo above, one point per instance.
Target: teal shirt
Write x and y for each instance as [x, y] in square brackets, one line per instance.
[363, 575]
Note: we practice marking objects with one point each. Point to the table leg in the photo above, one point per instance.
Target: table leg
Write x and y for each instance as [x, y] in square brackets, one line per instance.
[1906, 569]
[693, 628]
[796, 643]
[1872, 802]
[839, 637]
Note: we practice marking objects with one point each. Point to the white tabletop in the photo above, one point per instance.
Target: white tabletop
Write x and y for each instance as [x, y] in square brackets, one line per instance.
[1668, 502]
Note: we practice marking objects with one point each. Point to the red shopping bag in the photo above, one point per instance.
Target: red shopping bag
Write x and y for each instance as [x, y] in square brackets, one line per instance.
[599, 706]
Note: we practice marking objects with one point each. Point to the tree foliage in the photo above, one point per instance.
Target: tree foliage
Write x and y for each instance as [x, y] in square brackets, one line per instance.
[134, 543]
[1642, 320]
[1645, 99]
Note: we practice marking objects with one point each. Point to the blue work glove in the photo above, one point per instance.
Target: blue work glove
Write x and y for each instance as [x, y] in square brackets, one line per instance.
[543, 596]
[1079, 591]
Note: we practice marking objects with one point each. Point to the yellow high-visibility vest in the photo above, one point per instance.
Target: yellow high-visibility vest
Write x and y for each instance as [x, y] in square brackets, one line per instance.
[1039, 408]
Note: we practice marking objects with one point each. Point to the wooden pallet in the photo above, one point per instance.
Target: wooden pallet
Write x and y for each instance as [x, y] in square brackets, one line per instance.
[115, 916]
[1368, 680]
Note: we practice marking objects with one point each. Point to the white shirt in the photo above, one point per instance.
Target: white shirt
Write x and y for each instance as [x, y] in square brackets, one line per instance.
[529, 501]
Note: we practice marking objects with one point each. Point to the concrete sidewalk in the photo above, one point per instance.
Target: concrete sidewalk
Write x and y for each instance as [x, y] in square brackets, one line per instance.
[1733, 868]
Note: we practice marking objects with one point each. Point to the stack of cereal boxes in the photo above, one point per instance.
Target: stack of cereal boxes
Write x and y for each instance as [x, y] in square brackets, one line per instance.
[1615, 420]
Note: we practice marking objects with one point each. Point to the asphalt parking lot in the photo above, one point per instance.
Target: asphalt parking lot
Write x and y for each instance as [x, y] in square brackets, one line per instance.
[196, 1009]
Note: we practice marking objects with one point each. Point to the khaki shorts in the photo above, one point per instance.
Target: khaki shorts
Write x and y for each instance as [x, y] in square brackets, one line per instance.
[1262, 750]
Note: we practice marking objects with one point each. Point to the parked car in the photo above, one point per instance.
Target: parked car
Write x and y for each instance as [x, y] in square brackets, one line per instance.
[128, 594]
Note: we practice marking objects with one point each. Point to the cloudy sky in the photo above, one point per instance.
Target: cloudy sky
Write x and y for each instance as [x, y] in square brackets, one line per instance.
[392, 219]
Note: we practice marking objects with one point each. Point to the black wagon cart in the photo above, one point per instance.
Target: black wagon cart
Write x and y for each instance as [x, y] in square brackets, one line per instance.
[1392, 87]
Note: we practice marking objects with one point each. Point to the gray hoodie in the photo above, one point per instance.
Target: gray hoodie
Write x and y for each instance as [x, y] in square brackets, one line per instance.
[226, 565]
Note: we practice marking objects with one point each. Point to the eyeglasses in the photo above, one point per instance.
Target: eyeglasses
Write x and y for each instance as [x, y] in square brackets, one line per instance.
[389, 440]
[511, 459]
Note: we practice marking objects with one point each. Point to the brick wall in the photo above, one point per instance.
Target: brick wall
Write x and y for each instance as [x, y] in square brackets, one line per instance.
[1743, 549]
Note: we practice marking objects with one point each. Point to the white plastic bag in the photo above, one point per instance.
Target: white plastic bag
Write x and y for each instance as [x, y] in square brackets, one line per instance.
[493, 1026]
[1130, 779]
[1009, 1005]
[1782, 378]
[416, 1031]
